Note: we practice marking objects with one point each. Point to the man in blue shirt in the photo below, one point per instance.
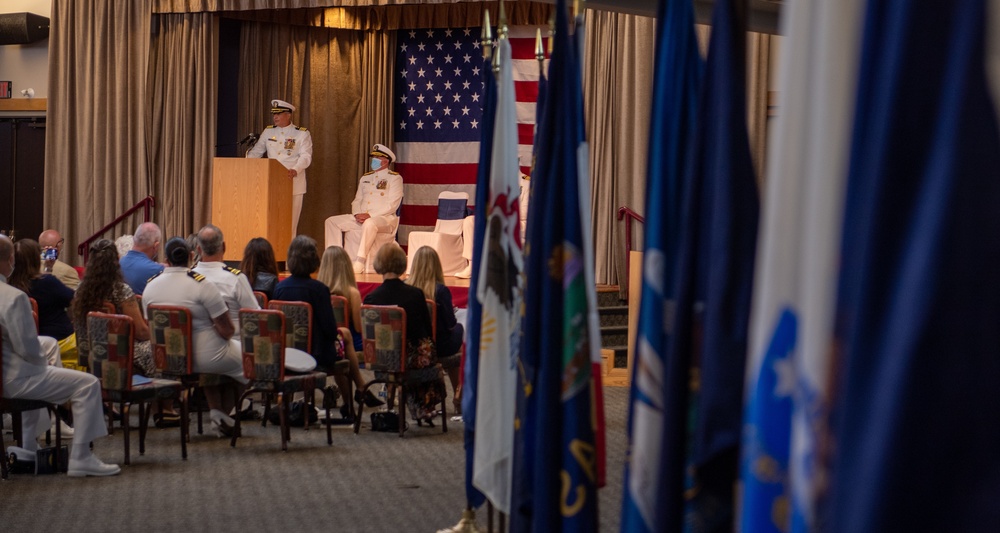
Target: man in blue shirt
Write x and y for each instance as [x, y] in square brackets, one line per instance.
[139, 264]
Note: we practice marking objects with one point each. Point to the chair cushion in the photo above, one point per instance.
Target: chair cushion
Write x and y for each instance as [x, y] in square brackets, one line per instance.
[292, 383]
[157, 389]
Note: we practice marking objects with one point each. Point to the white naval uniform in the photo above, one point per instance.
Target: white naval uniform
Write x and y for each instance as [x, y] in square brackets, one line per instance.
[379, 194]
[212, 353]
[292, 146]
[232, 284]
[237, 293]
[27, 374]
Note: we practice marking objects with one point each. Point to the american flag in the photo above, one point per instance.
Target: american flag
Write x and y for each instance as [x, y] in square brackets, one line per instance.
[438, 110]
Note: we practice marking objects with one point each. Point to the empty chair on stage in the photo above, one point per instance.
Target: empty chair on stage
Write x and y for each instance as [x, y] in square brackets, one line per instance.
[446, 239]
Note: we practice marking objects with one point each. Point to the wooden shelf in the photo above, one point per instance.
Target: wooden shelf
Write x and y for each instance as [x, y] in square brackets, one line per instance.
[23, 104]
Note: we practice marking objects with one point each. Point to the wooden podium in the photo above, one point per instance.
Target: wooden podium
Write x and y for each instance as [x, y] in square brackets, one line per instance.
[252, 198]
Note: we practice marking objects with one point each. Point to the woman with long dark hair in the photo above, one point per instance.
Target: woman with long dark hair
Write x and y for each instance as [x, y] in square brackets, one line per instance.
[48, 292]
[259, 266]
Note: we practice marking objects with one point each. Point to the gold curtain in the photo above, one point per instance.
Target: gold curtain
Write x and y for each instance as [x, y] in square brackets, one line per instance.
[618, 85]
[183, 89]
[96, 163]
[340, 83]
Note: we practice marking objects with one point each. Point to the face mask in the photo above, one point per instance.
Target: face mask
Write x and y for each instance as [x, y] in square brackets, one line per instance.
[376, 163]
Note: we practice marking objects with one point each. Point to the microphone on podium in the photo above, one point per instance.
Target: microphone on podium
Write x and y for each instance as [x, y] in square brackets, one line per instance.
[252, 137]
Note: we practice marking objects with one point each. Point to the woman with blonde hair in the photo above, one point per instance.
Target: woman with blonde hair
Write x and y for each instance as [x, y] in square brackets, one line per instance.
[337, 272]
[427, 275]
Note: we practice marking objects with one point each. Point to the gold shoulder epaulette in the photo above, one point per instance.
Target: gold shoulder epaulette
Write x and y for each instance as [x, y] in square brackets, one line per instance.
[393, 172]
[195, 276]
[235, 271]
[300, 128]
[369, 173]
[154, 276]
[269, 126]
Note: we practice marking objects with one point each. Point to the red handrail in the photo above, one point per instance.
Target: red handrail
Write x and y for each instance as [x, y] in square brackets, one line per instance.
[626, 213]
[146, 204]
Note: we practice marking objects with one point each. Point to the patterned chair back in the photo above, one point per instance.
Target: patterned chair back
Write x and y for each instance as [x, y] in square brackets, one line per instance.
[383, 328]
[261, 299]
[262, 333]
[432, 308]
[298, 323]
[111, 356]
[171, 339]
[339, 304]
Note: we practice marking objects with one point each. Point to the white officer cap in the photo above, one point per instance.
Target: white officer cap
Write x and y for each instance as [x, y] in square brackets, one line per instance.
[281, 106]
[384, 151]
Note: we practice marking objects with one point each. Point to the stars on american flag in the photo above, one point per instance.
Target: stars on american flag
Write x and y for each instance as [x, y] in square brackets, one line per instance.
[433, 84]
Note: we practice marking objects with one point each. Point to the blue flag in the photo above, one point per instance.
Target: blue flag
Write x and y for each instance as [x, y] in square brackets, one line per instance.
[675, 103]
[555, 477]
[474, 312]
[914, 426]
[706, 354]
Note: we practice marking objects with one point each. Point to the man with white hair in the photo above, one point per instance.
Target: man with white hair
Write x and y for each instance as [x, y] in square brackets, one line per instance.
[140, 263]
[373, 210]
[27, 375]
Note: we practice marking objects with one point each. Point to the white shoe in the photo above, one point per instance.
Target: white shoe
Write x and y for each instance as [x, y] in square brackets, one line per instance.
[65, 430]
[222, 424]
[91, 466]
[21, 454]
[465, 273]
[359, 267]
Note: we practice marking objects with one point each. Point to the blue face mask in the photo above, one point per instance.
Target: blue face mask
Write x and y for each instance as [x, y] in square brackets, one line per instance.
[376, 163]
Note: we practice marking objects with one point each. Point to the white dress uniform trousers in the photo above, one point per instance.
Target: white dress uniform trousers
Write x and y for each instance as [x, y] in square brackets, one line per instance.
[27, 374]
[379, 194]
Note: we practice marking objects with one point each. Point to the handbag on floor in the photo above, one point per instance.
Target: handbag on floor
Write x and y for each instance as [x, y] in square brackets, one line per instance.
[385, 421]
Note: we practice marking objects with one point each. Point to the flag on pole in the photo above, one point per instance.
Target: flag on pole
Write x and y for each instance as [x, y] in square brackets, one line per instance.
[918, 301]
[498, 290]
[470, 378]
[797, 260]
[438, 112]
[675, 102]
[555, 450]
[706, 357]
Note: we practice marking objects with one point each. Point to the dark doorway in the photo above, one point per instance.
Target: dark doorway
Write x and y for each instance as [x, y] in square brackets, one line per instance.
[22, 176]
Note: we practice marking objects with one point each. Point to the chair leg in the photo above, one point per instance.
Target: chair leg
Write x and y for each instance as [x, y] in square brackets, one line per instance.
[283, 412]
[3, 457]
[237, 430]
[125, 416]
[361, 407]
[444, 409]
[185, 432]
[402, 409]
[143, 424]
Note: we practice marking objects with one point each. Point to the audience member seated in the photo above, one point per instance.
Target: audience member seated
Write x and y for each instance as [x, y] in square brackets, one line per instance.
[260, 267]
[52, 296]
[390, 262]
[139, 264]
[124, 244]
[102, 283]
[335, 272]
[232, 284]
[49, 240]
[426, 274]
[328, 342]
[215, 349]
[373, 210]
[27, 375]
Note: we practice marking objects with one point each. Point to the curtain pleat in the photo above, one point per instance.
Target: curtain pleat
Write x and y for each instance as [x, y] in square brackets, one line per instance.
[618, 84]
[96, 163]
[183, 89]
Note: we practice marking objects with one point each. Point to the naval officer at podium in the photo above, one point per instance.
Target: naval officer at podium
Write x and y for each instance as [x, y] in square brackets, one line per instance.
[292, 146]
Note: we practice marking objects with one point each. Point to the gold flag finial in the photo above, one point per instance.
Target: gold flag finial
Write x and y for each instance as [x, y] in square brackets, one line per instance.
[486, 40]
[539, 50]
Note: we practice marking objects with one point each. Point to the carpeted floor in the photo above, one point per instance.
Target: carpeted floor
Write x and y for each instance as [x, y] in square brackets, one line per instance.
[367, 482]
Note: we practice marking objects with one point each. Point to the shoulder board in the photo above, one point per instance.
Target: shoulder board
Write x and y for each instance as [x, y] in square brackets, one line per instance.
[370, 172]
[235, 271]
[195, 276]
[393, 172]
[154, 276]
[269, 126]
[300, 128]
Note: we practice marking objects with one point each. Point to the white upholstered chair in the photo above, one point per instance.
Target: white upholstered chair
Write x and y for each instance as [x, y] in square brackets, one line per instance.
[446, 239]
